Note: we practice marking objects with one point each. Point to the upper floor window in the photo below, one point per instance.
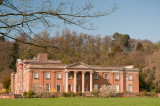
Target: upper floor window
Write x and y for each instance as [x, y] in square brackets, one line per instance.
[70, 75]
[116, 76]
[106, 76]
[86, 75]
[86, 88]
[35, 75]
[130, 77]
[78, 75]
[47, 75]
[95, 76]
[59, 75]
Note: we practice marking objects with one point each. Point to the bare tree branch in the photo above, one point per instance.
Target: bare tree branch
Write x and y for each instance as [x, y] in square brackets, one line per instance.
[17, 18]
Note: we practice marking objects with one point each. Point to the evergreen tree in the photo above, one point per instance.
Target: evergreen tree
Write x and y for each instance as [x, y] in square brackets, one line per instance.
[27, 54]
[14, 55]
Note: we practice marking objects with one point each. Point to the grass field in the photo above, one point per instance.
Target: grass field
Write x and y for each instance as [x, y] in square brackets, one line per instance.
[81, 102]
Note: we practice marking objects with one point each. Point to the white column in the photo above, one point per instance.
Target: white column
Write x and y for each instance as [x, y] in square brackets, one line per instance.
[91, 81]
[121, 82]
[83, 81]
[75, 81]
[66, 81]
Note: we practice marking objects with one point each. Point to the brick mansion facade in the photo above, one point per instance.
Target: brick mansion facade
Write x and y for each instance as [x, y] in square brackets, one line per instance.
[77, 77]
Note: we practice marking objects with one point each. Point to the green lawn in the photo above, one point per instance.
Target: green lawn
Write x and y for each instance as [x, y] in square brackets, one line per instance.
[81, 102]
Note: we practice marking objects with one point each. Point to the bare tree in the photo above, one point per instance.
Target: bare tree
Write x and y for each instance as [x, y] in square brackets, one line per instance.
[24, 16]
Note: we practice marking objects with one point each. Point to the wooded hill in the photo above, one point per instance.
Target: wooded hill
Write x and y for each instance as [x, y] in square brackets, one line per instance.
[70, 47]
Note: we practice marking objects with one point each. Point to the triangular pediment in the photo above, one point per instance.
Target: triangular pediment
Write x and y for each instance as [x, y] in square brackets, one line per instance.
[79, 65]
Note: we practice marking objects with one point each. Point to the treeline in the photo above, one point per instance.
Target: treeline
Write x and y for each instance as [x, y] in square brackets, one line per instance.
[70, 47]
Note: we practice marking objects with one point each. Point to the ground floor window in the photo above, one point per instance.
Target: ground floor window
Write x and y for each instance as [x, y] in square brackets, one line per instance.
[130, 88]
[36, 87]
[86, 87]
[117, 87]
[95, 86]
[47, 88]
[78, 88]
[58, 88]
[69, 87]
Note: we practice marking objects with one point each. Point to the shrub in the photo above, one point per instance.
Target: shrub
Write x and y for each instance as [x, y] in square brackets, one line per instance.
[48, 95]
[143, 93]
[95, 92]
[9, 88]
[29, 94]
[153, 91]
[108, 91]
[157, 90]
[63, 94]
[78, 94]
[54, 90]
[70, 94]
[6, 82]
[4, 90]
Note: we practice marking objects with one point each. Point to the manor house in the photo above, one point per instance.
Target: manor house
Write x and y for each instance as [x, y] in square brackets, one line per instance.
[77, 77]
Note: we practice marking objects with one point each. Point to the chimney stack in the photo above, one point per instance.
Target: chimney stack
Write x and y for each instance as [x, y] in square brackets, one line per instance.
[42, 57]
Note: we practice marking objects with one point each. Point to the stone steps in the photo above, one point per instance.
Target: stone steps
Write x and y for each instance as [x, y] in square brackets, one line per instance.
[18, 96]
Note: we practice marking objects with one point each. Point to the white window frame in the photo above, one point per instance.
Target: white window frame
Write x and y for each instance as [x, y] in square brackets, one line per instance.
[48, 87]
[117, 87]
[130, 88]
[95, 86]
[59, 76]
[130, 77]
[96, 75]
[69, 75]
[47, 75]
[36, 75]
[70, 86]
[116, 76]
[105, 76]
[60, 87]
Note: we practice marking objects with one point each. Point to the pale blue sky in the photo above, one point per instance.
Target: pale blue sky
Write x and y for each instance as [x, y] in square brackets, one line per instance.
[138, 18]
